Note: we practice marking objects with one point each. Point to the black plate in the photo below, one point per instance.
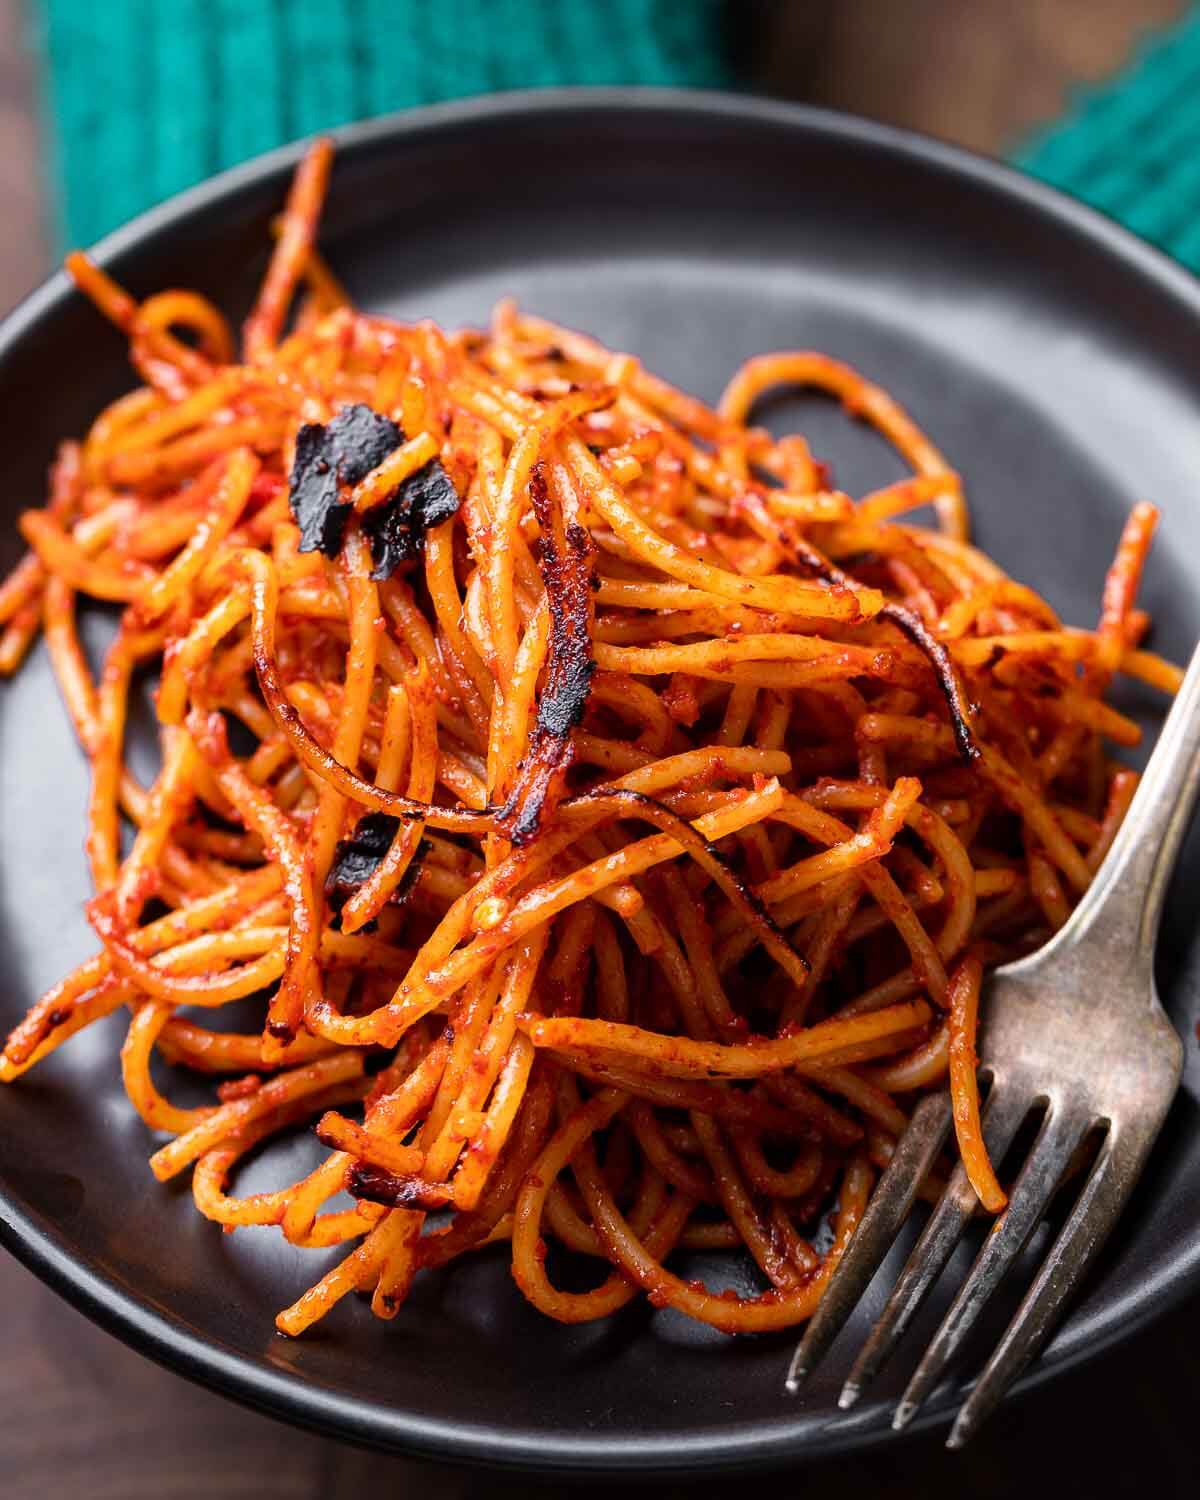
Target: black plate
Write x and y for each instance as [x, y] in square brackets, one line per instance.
[1051, 355]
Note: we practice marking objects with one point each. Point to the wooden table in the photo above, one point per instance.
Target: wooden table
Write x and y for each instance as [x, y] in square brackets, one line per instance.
[82, 1416]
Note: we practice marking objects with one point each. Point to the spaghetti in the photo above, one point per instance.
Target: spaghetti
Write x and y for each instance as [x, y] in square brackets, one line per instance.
[610, 819]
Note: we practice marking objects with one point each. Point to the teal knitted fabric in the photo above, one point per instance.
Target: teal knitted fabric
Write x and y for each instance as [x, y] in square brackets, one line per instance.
[1131, 147]
[145, 97]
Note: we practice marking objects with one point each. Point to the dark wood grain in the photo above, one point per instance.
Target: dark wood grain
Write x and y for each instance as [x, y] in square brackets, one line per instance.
[82, 1416]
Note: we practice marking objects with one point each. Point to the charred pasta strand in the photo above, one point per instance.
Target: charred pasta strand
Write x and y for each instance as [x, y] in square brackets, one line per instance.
[610, 819]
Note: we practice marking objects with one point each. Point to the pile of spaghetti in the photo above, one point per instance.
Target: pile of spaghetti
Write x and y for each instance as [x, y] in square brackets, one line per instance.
[611, 818]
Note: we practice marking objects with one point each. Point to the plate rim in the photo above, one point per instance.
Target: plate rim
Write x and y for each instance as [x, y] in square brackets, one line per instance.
[764, 1442]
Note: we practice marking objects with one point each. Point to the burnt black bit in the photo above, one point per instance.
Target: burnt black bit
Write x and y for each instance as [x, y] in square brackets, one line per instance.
[561, 706]
[377, 1185]
[313, 494]
[281, 1031]
[361, 440]
[357, 858]
[944, 670]
[395, 529]
[328, 457]
[570, 667]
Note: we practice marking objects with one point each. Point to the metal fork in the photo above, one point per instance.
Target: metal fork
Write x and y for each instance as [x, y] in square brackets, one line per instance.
[1076, 1029]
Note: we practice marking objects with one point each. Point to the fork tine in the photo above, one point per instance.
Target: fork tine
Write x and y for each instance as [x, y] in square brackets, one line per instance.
[1002, 1115]
[886, 1212]
[1061, 1132]
[1110, 1182]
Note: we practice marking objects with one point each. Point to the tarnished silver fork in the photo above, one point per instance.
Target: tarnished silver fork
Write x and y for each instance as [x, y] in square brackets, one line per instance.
[1076, 1029]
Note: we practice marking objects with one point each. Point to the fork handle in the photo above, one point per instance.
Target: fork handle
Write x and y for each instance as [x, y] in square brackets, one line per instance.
[1123, 906]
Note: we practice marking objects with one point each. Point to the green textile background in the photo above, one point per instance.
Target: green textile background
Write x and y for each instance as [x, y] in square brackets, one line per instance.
[1131, 147]
[145, 97]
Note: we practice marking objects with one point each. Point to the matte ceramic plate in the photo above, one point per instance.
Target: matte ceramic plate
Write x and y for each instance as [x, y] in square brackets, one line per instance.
[1053, 358]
